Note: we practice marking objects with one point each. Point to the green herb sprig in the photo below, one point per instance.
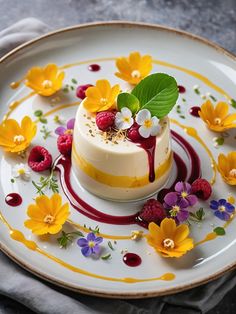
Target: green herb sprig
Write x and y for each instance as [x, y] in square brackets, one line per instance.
[44, 183]
[68, 237]
[198, 216]
[46, 133]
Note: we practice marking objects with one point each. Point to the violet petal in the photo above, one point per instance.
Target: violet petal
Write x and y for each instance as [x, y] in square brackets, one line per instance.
[70, 124]
[91, 236]
[60, 130]
[192, 199]
[96, 249]
[171, 198]
[182, 215]
[179, 187]
[86, 251]
[183, 203]
[82, 242]
[98, 240]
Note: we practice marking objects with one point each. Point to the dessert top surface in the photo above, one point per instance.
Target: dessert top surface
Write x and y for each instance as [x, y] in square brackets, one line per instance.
[112, 141]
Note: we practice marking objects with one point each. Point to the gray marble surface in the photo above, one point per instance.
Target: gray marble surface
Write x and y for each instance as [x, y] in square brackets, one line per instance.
[213, 19]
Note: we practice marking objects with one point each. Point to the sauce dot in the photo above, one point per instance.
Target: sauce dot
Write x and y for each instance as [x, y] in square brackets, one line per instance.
[13, 199]
[194, 111]
[132, 259]
[94, 67]
[182, 89]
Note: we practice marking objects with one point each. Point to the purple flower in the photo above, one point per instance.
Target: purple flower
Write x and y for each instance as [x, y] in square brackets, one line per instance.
[90, 245]
[176, 207]
[183, 189]
[68, 130]
[222, 209]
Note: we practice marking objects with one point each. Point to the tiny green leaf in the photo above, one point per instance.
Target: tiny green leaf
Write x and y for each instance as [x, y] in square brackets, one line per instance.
[74, 81]
[12, 180]
[38, 113]
[43, 120]
[158, 93]
[219, 231]
[106, 257]
[110, 245]
[129, 101]
[220, 140]
[233, 103]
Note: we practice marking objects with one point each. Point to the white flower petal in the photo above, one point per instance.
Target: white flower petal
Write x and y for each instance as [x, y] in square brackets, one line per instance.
[143, 115]
[144, 132]
[155, 130]
[155, 120]
[126, 112]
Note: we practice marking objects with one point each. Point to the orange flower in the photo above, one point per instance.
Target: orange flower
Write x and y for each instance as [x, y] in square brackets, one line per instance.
[16, 138]
[227, 167]
[47, 215]
[101, 97]
[134, 68]
[45, 81]
[217, 119]
[169, 240]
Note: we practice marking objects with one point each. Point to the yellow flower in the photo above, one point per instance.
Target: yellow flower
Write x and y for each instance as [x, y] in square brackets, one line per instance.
[101, 97]
[47, 215]
[45, 81]
[16, 138]
[227, 167]
[134, 68]
[169, 240]
[217, 119]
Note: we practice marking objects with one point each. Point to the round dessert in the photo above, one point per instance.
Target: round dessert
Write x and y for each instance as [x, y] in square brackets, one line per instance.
[112, 166]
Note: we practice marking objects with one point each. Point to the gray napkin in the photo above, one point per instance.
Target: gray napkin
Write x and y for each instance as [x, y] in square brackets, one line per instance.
[22, 292]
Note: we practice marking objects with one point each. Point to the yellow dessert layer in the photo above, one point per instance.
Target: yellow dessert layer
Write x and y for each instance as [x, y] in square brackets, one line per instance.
[118, 181]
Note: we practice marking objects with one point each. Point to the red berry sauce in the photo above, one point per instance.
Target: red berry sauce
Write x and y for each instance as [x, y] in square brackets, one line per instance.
[132, 259]
[80, 91]
[182, 89]
[194, 111]
[94, 67]
[13, 199]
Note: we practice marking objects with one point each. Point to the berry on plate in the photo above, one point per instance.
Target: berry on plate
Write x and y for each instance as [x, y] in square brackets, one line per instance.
[202, 189]
[39, 159]
[152, 211]
[64, 144]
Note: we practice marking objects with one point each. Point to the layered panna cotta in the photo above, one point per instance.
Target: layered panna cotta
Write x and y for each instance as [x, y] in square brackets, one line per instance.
[116, 168]
[120, 152]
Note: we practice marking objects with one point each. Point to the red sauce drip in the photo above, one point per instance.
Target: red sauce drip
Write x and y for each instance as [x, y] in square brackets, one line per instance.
[149, 145]
[182, 89]
[132, 259]
[13, 199]
[94, 67]
[194, 111]
[63, 165]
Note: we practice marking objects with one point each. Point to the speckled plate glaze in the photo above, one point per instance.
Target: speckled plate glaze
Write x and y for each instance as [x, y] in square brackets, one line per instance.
[191, 60]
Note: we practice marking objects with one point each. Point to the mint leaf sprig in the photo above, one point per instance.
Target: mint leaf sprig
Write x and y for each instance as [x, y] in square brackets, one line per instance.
[68, 237]
[44, 183]
[157, 93]
[198, 216]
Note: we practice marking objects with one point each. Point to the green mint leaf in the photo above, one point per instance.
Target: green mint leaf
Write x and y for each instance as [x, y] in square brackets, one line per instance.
[158, 93]
[106, 257]
[43, 120]
[129, 101]
[74, 81]
[110, 245]
[233, 103]
[38, 113]
[219, 231]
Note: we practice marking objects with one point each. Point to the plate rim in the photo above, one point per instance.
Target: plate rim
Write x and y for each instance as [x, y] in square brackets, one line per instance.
[92, 292]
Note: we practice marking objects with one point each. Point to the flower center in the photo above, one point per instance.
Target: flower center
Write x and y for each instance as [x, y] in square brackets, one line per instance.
[47, 84]
[91, 244]
[103, 101]
[148, 123]
[136, 74]
[184, 194]
[232, 173]
[48, 219]
[169, 243]
[21, 171]
[217, 121]
[18, 139]
[126, 119]
[68, 131]
[175, 209]
[221, 208]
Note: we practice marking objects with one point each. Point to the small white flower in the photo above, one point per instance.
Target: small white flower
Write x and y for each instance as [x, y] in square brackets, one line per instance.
[22, 171]
[124, 119]
[149, 125]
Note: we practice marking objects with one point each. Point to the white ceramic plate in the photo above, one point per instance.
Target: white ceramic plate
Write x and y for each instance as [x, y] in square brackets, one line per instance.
[191, 61]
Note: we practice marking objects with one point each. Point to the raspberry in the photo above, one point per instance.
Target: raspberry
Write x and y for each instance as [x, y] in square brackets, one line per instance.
[105, 120]
[39, 159]
[64, 144]
[80, 90]
[202, 189]
[133, 133]
[152, 211]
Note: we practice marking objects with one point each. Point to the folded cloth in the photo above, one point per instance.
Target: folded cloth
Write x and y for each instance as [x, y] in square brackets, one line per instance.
[22, 292]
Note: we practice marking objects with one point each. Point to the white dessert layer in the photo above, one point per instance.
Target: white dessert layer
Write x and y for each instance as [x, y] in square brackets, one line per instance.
[117, 169]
